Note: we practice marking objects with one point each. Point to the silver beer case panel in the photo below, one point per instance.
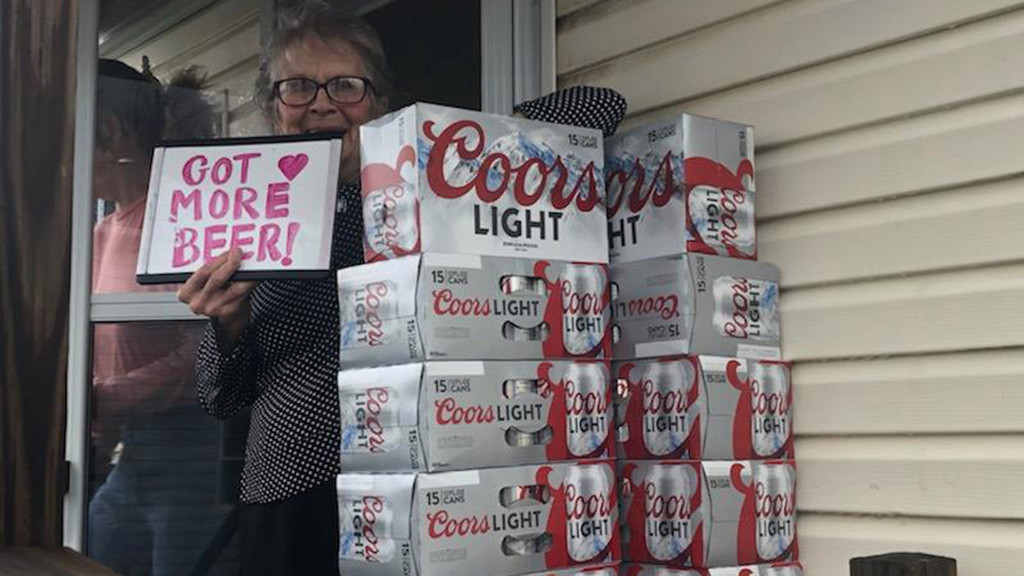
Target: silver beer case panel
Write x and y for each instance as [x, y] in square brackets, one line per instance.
[655, 231]
[458, 415]
[490, 308]
[462, 221]
[695, 304]
[721, 506]
[455, 505]
[716, 408]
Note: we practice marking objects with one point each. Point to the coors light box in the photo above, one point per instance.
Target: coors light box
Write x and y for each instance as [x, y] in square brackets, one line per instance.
[437, 416]
[684, 184]
[464, 307]
[438, 179]
[704, 408]
[695, 304]
[497, 521]
[780, 569]
[687, 513]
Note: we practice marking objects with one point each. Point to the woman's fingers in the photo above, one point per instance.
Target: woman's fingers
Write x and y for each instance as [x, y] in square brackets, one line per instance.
[210, 292]
[197, 281]
[221, 276]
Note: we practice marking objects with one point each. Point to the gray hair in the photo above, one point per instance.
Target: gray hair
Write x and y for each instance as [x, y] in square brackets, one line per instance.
[323, 19]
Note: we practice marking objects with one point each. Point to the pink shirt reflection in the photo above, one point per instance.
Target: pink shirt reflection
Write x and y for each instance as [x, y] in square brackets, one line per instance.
[139, 368]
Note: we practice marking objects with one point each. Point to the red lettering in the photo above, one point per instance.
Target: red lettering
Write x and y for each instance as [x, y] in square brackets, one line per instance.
[589, 303]
[774, 403]
[772, 505]
[372, 508]
[737, 327]
[445, 303]
[441, 525]
[661, 189]
[376, 293]
[666, 306]
[667, 402]
[447, 412]
[586, 506]
[376, 398]
[671, 506]
[592, 402]
[585, 192]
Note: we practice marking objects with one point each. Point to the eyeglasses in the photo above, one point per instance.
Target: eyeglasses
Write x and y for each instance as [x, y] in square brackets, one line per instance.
[340, 89]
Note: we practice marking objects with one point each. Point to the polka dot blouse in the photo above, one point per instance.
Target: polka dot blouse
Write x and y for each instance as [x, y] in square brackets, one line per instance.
[285, 366]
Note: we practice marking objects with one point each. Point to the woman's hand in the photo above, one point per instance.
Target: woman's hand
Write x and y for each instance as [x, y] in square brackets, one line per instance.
[210, 292]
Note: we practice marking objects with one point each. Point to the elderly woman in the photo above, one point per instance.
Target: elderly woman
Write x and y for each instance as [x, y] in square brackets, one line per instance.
[274, 345]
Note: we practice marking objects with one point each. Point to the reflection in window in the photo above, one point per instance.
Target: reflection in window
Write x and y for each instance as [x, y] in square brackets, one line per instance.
[135, 110]
[164, 475]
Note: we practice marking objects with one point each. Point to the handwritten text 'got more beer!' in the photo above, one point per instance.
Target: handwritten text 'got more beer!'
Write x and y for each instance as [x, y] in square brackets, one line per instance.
[225, 210]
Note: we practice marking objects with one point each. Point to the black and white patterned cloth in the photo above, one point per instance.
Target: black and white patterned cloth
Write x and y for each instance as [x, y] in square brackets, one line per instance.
[584, 106]
[285, 366]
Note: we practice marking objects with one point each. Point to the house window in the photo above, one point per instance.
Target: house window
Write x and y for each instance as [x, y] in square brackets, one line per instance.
[154, 479]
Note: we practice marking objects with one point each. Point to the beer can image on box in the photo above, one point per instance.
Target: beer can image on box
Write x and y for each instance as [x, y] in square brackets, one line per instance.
[704, 407]
[781, 569]
[439, 179]
[498, 521]
[695, 304]
[687, 513]
[681, 184]
[437, 416]
[464, 307]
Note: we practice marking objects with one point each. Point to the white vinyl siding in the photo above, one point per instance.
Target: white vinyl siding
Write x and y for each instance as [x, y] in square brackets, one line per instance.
[891, 195]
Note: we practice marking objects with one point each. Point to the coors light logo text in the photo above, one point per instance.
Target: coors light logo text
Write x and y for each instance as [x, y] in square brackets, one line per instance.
[529, 181]
[720, 206]
[664, 410]
[658, 190]
[745, 319]
[589, 514]
[774, 512]
[364, 519]
[448, 412]
[370, 408]
[587, 410]
[771, 410]
[666, 515]
[664, 306]
[371, 303]
[442, 524]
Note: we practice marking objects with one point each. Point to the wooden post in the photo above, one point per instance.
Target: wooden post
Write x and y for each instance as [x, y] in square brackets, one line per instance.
[903, 564]
[37, 114]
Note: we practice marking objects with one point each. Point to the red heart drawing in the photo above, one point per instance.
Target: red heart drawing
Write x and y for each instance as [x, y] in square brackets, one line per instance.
[291, 165]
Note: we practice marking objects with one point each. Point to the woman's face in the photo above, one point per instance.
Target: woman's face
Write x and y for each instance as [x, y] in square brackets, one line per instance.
[314, 58]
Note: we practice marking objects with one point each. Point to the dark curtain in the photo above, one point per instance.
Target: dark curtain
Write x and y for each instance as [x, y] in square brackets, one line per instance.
[37, 88]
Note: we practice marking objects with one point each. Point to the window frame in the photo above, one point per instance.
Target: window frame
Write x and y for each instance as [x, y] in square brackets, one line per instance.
[518, 63]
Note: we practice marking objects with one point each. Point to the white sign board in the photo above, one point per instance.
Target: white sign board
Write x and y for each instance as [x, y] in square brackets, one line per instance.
[272, 197]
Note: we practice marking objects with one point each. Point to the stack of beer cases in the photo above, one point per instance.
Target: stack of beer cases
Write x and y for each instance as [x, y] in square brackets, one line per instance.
[704, 427]
[476, 392]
